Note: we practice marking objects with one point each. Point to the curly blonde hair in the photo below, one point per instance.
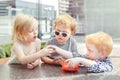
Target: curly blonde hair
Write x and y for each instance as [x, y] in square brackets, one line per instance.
[101, 40]
[67, 21]
[22, 25]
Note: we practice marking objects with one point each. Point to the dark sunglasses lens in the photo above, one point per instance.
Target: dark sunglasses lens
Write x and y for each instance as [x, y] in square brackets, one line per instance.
[64, 34]
[56, 33]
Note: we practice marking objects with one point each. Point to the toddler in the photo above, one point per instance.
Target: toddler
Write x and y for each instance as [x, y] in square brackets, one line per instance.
[26, 45]
[99, 45]
[63, 43]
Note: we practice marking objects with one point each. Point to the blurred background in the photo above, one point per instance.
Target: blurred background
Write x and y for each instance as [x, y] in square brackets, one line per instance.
[91, 16]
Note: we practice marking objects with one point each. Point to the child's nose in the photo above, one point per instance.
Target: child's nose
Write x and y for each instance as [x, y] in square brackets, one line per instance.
[35, 32]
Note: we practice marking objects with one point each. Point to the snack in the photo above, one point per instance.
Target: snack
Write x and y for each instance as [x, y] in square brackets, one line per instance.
[65, 67]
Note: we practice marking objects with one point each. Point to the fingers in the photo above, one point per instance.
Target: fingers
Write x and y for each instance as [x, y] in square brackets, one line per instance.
[58, 60]
[30, 66]
[49, 54]
[51, 50]
[51, 47]
[70, 62]
[46, 52]
[55, 48]
[67, 60]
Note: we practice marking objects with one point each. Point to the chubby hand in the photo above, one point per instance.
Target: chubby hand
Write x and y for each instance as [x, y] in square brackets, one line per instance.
[33, 64]
[47, 51]
[72, 62]
[55, 48]
[58, 60]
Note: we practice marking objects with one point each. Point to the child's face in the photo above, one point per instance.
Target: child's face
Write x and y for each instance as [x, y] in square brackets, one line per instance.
[32, 34]
[92, 52]
[62, 34]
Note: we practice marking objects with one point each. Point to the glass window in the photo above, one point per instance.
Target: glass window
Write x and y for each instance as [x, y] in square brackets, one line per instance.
[91, 16]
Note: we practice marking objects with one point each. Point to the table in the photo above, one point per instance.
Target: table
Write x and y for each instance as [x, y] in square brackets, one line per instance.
[50, 72]
[16, 71]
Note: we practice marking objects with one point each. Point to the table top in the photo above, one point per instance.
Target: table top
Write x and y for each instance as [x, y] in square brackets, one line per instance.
[17, 71]
[50, 72]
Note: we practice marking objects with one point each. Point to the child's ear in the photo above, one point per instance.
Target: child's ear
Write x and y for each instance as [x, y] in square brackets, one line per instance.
[103, 54]
[71, 35]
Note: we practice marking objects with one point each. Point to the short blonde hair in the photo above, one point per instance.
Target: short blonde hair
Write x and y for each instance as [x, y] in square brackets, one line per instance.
[101, 40]
[22, 25]
[66, 20]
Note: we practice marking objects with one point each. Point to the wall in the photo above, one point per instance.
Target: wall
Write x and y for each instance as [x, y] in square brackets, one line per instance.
[103, 15]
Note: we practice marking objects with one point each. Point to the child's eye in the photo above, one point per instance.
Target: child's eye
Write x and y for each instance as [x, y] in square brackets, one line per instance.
[90, 50]
[31, 31]
[36, 29]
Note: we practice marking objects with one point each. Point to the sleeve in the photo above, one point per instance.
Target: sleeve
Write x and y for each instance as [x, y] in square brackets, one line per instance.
[47, 43]
[81, 55]
[101, 66]
[51, 42]
[38, 44]
[74, 48]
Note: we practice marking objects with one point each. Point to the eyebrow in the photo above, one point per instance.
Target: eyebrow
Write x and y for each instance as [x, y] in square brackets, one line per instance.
[60, 30]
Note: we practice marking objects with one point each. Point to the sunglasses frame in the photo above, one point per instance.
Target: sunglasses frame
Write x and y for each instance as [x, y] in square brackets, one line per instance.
[64, 34]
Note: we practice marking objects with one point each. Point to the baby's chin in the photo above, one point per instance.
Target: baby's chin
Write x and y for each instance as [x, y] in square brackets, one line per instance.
[91, 58]
[61, 42]
[34, 39]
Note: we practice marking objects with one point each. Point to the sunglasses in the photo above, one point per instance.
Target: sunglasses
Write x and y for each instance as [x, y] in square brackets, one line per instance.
[64, 34]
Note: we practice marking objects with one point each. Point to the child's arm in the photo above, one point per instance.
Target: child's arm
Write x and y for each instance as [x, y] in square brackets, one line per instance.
[101, 66]
[69, 52]
[86, 62]
[62, 52]
[52, 61]
[47, 60]
[33, 64]
[23, 59]
[92, 66]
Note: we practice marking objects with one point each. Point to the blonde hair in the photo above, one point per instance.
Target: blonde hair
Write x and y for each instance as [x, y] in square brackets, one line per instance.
[66, 20]
[102, 41]
[22, 25]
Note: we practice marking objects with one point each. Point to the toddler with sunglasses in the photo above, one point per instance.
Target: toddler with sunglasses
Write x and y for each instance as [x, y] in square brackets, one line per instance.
[65, 47]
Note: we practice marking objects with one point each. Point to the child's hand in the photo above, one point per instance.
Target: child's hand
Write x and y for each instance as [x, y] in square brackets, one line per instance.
[30, 66]
[72, 62]
[59, 60]
[46, 51]
[33, 64]
[55, 48]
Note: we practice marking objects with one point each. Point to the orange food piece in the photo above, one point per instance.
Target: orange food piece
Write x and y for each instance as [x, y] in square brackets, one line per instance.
[65, 67]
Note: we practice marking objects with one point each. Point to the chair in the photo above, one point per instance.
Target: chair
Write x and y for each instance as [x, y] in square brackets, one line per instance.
[4, 60]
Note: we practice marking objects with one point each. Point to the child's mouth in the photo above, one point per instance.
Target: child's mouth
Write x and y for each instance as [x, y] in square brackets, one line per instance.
[60, 38]
[35, 37]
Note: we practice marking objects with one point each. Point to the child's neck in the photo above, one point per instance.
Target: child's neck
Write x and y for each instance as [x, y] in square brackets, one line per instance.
[26, 43]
